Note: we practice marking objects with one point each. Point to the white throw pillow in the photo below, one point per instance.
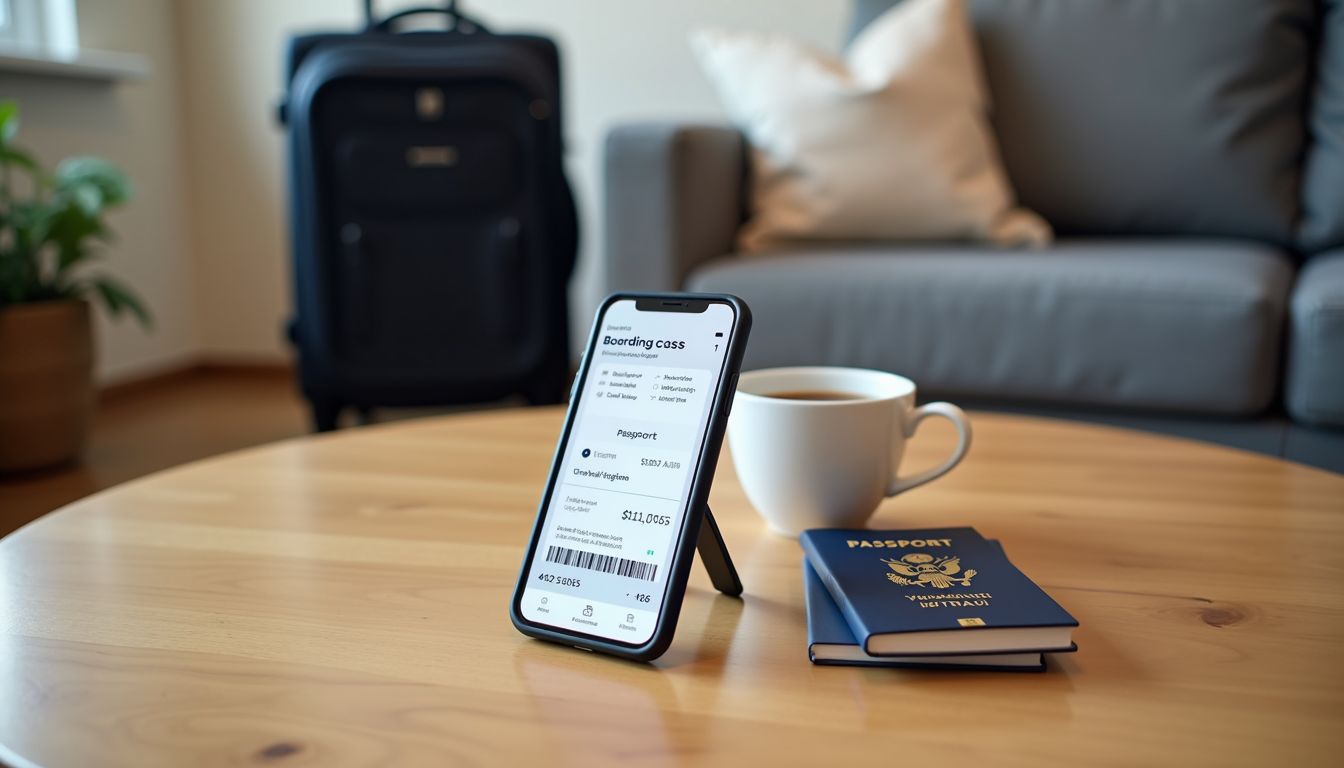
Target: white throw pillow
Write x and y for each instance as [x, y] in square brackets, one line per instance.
[892, 143]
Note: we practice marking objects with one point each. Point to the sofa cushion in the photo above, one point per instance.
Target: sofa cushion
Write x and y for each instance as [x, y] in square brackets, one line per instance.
[1150, 116]
[1315, 388]
[890, 142]
[1178, 325]
[1322, 224]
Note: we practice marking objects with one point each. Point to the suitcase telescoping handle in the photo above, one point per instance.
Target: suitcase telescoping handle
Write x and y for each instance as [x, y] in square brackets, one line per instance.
[457, 20]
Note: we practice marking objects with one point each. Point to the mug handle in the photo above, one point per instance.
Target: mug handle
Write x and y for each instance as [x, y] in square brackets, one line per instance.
[958, 418]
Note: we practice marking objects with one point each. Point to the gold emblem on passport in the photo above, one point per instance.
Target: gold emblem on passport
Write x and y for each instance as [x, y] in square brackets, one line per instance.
[920, 570]
[971, 622]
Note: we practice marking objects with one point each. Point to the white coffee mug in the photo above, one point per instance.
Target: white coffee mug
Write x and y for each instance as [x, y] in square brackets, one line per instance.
[828, 463]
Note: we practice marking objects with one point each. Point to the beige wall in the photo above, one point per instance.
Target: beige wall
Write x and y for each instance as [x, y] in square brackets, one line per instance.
[622, 59]
[134, 124]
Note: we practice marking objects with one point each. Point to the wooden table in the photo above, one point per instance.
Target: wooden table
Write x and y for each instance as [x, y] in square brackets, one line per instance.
[341, 600]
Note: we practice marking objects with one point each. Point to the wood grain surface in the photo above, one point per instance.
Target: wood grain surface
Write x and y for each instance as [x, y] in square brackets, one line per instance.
[342, 600]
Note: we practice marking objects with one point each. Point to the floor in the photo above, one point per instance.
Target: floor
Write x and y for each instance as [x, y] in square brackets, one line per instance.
[158, 426]
[183, 418]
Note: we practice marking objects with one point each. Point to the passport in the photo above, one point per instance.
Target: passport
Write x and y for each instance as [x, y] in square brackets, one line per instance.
[829, 641]
[934, 592]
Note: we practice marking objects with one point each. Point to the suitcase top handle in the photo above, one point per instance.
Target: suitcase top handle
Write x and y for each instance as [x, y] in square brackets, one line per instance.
[457, 20]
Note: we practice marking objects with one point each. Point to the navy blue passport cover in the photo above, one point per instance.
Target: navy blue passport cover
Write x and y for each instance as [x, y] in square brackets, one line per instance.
[827, 626]
[937, 579]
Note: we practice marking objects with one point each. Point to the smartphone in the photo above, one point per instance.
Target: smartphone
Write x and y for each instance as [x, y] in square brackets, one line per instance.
[616, 531]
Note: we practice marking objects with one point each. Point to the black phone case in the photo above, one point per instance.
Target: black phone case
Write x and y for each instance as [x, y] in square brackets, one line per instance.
[707, 462]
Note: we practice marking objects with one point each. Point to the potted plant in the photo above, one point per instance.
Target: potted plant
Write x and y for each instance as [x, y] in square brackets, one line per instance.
[50, 226]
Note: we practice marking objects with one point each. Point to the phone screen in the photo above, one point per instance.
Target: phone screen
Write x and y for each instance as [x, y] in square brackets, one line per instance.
[611, 524]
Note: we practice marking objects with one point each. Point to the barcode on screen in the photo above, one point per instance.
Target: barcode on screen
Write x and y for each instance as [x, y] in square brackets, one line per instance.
[605, 563]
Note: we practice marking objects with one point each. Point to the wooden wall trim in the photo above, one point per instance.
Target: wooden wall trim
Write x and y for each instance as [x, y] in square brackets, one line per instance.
[195, 369]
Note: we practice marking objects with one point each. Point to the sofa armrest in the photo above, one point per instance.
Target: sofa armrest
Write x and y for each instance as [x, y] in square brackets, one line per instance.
[674, 199]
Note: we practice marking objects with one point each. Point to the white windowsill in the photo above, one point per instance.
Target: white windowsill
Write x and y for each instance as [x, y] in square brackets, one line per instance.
[101, 66]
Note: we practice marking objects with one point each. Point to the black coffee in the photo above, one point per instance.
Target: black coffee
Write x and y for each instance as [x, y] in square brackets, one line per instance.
[815, 394]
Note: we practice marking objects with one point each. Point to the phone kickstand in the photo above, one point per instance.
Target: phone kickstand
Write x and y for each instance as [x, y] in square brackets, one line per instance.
[714, 554]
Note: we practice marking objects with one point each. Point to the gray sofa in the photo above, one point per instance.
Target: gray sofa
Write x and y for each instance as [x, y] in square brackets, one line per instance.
[1190, 155]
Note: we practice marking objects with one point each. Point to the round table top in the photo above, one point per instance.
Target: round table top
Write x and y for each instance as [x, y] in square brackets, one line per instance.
[342, 600]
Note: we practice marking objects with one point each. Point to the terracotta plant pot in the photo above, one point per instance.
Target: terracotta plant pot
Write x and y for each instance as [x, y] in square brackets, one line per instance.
[46, 383]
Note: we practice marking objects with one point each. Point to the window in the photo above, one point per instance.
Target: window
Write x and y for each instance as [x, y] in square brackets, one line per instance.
[41, 37]
[39, 27]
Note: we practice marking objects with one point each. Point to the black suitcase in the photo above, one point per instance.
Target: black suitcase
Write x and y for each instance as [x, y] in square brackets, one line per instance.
[433, 230]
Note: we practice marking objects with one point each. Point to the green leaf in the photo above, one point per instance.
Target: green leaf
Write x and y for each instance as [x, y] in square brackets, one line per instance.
[87, 198]
[50, 229]
[80, 173]
[30, 223]
[18, 277]
[9, 121]
[70, 257]
[11, 278]
[13, 156]
[118, 299]
[67, 225]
